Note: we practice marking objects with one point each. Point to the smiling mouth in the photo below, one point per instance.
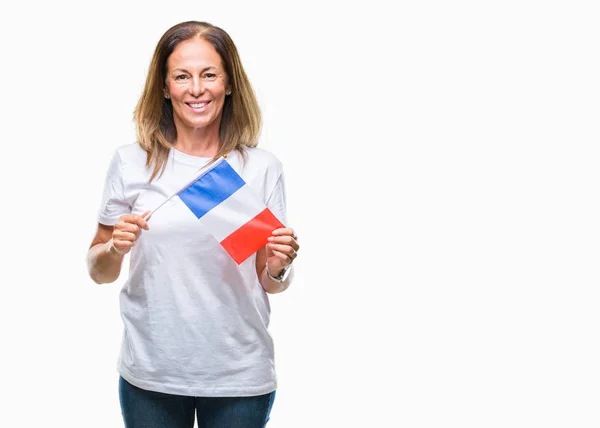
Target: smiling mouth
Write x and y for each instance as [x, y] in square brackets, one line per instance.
[198, 106]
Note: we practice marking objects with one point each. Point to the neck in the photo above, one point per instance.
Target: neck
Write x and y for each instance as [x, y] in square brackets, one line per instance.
[201, 142]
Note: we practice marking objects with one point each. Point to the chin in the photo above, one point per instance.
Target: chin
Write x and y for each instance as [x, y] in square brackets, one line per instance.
[198, 123]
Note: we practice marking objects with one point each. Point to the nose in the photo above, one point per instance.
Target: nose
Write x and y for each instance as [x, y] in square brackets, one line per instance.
[197, 87]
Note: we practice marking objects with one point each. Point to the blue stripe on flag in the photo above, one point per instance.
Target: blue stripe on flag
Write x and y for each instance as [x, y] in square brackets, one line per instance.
[211, 189]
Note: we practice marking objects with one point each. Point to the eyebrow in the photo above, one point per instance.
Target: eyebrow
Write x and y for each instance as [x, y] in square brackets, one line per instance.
[203, 70]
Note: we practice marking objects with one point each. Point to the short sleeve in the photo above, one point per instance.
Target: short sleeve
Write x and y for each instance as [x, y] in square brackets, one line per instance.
[113, 204]
[277, 199]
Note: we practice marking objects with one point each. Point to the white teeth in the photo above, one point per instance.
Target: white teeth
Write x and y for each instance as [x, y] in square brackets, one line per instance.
[197, 105]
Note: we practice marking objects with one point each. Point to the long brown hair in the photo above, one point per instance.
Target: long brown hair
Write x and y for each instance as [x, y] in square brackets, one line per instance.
[155, 128]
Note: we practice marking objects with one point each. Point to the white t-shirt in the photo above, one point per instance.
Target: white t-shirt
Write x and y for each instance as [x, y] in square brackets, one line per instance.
[195, 322]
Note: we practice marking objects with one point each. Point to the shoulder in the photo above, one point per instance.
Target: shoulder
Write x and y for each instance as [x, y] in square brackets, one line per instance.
[131, 153]
[261, 158]
[260, 169]
[129, 162]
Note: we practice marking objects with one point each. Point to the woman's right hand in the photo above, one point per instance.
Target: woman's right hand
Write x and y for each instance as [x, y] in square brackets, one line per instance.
[127, 230]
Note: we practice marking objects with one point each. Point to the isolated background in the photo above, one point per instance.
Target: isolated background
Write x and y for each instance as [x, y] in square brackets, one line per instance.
[442, 174]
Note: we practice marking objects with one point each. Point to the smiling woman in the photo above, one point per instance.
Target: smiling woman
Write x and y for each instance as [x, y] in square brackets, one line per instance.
[195, 62]
[197, 86]
[196, 337]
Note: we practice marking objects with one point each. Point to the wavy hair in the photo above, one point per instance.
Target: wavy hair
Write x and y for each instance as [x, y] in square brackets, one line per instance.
[240, 121]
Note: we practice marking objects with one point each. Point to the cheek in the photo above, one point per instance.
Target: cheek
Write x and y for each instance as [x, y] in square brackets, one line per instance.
[222, 94]
[175, 91]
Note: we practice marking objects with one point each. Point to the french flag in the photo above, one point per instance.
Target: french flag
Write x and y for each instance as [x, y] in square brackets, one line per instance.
[231, 211]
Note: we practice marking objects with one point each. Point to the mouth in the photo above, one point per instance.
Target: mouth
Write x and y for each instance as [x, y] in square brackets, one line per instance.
[198, 106]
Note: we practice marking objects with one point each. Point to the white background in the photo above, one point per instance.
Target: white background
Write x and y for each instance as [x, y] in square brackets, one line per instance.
[442, 167]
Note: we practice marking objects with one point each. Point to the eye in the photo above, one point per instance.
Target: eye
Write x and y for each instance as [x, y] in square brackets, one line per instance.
[209, 76]
[180, 77]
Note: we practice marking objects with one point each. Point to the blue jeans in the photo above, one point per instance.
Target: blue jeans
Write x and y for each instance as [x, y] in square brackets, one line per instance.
[148, 409]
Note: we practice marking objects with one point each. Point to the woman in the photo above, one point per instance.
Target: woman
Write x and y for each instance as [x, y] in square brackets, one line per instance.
[195, 322]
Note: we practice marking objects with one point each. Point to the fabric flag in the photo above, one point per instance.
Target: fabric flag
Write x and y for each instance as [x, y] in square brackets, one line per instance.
[231, 211]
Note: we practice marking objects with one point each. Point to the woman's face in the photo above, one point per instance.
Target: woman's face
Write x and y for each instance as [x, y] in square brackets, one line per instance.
[196, 83]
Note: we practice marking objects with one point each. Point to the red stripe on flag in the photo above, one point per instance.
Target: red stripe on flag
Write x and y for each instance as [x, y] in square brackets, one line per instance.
[252, 236]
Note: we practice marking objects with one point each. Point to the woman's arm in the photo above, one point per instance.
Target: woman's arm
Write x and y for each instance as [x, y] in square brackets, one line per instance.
[110, 245]
[103, 260]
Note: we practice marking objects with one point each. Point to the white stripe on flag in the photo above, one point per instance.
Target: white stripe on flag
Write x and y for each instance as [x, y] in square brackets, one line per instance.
[233, 213]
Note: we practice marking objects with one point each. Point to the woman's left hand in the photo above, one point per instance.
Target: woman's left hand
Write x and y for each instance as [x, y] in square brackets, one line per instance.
[282, 249]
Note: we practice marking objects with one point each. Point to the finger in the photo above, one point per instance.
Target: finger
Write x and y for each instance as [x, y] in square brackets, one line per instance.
[124, 236]
[144, 220]
[286, 239]
[287, 259]
[141, 221]
[128, 218]
[127, 227]
[123, 243]
[284, 249]
[133, 219]
[284, 231]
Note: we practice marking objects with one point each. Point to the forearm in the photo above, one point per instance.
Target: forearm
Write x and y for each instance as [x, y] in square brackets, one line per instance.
[271, 286]
[104, 263]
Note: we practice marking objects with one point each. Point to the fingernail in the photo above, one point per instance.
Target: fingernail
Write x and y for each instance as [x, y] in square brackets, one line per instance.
[270, 238]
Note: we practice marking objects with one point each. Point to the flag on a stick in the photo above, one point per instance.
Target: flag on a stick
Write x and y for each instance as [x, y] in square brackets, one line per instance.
[230, 210]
